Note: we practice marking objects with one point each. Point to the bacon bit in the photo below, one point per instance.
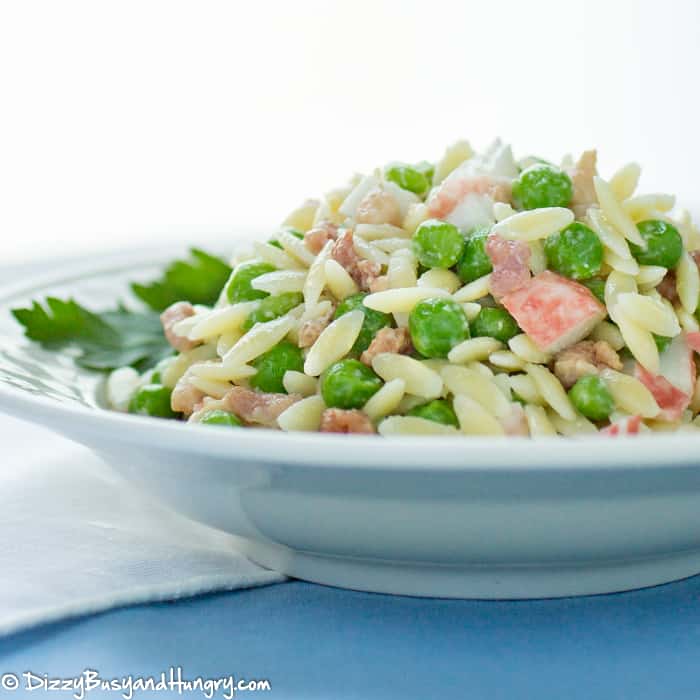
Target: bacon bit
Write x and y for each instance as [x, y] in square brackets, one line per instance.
[186, 398]
[338, 420]
[174, 313]
[582, 179]
[584, 358]
[554, 311]
[459, 185]
[319, 235]
[254, 407]
[378, 207]
[667, 287]
[367, 273]
[626, 426]
[395, 340]
[311, 329]
[364, 272]
[510, 260]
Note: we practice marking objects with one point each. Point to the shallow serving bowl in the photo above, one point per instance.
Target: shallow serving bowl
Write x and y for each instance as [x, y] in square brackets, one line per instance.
[453, 517]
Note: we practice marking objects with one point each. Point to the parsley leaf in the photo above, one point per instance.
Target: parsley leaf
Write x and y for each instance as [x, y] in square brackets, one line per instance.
[106, 340]
[198, 280]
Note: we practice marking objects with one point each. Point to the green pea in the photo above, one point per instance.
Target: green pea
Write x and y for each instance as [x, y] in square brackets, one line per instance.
[272, 365]
[662, 342]
[542, 185]
[597, 286]
[438, 411]
[437, 243]
[474, 262]
[406, 177]
[496, 323]
[349, 384]
[591, 398]
[239, 287]
[155, 378]
[374, 320]
[219, 417]
[273, 307]
[152, 400]
[574, 252]
[664, 244]
[436, 326]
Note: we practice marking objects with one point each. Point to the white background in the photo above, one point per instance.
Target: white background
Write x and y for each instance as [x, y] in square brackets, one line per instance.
[131, 123]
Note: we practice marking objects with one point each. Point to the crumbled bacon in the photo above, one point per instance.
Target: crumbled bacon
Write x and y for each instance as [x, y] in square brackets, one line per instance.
[319, 235]
[395, 340]
[185, 398]
[367, 272]
[378, 207]
[364, 272]
[667, 287]
[254, 407]
[174, 313]
[338, 420]
[582, 179]
[581, 359]
[510, 260]
[311, 329]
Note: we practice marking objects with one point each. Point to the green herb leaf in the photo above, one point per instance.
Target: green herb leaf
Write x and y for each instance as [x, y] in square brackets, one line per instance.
[198, 280]
[107, 340]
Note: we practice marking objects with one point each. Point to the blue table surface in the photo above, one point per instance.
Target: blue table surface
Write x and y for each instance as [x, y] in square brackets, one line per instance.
[318, 642]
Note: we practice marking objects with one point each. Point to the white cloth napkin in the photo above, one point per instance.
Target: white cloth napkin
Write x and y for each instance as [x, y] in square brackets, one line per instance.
[75, 538]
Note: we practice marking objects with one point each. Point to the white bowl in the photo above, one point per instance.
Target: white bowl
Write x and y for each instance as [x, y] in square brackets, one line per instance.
[450, 517]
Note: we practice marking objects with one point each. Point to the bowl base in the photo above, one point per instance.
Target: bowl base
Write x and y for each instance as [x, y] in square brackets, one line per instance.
[483, 582]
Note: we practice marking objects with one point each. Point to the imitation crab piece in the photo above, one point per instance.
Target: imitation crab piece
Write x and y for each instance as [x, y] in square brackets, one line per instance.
[626, 426]
[466, 199]
[693, 340]
[673, 387]
[554, 311]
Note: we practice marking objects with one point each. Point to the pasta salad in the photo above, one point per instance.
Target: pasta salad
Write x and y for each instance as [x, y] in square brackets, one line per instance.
[477, 295]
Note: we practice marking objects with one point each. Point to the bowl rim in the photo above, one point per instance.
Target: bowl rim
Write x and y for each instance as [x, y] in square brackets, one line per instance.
[97, 426]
